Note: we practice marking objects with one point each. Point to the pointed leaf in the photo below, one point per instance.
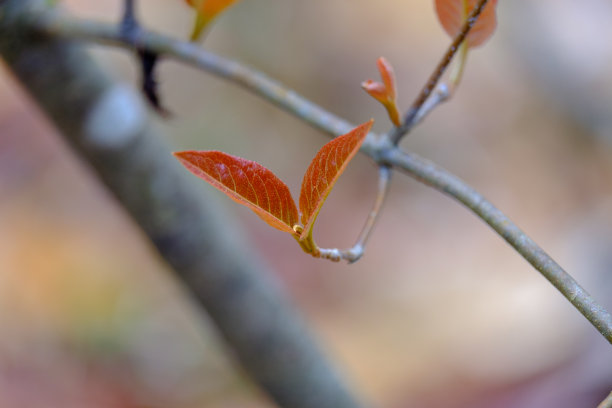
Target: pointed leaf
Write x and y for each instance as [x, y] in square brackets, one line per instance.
[246, 182]
[324, 170]
[384, 92]
[388, 76]
[453, 13]
[206, 10]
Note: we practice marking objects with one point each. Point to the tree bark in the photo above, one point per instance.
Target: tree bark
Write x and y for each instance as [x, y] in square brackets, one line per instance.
[109, 128]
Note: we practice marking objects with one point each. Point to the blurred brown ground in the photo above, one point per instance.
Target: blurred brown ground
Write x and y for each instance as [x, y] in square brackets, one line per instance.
[440, 312]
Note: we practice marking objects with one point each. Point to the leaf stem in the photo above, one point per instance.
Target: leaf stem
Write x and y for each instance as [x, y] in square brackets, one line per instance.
[307, 244]
[410, 118]
[457, 72]
[384, 180]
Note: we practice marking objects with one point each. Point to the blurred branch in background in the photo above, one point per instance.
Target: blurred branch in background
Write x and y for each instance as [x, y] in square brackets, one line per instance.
[380, 148]
[607, 403]
[258, 322]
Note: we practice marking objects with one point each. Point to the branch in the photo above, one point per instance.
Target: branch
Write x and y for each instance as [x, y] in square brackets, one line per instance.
[440, 95]
[128, 21]
[55, 23]
[412, 116]
[384, 180]
[380, 149]
[447, 183]
[260, 325]
[356, 252]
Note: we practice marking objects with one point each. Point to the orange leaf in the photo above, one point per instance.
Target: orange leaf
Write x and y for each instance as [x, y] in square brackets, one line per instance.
[324, 170]
[375, 89]
[246, 182]
[206, 10]
[453, 13]
[388, 76]
[384, 92]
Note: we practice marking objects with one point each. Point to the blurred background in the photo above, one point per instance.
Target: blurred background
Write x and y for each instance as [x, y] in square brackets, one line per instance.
[440, 312]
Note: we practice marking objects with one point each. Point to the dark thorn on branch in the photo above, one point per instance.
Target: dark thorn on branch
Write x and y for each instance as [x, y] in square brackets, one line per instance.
[129, 29]
[148, 62]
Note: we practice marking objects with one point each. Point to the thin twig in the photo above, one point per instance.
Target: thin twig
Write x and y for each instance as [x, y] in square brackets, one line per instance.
[128, 21]
[409, 119]
[356, 252]
[379, 149]
[440, 95]
[384, 180]
[444, 90]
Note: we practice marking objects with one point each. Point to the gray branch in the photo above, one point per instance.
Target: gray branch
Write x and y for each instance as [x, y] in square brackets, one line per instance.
[261, 326]
[440, 179]
[381, 149]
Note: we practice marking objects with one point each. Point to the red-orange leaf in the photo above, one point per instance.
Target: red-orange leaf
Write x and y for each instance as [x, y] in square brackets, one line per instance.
[246, 182]
[324, 170]
[384, 92]
[453, 13]
[388, 76]
[206, 10]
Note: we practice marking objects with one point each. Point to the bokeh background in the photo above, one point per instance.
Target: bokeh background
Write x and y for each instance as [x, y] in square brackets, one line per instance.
[440, 312]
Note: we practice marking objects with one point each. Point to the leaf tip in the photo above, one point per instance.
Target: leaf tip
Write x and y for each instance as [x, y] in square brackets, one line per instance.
[181, 155]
